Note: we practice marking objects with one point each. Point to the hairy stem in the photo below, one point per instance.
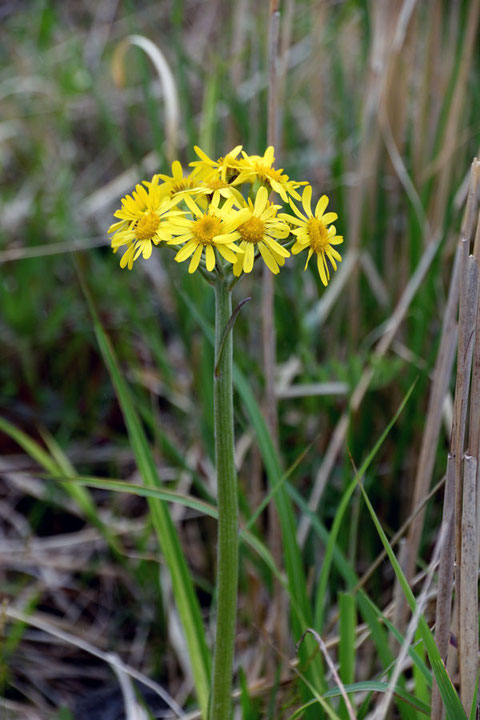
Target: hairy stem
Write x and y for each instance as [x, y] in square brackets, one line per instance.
[227, 549]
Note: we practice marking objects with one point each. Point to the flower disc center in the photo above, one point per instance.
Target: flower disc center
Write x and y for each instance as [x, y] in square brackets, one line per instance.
[318, 234]
[253, 230]
[147, 226]
[206, 228]
[216, 184]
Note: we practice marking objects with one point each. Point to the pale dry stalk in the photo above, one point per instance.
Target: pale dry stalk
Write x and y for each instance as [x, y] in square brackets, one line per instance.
[445, 580]
[460, 501]
[452, 124]
[385, 17]
[468, 605]
[278, 610]
[440, 384]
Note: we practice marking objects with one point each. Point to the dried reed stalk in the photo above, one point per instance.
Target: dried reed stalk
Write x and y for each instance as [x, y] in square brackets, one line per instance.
[468, 604]
[237, 67]
[445, 580]
[440, 382]
[278, 611]
[385, 16]
[460, 501]
[268, 320]
[452, 125]
[466, 320]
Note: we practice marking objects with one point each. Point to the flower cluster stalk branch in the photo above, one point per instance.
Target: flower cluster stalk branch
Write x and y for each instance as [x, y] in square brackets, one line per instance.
[227, 501]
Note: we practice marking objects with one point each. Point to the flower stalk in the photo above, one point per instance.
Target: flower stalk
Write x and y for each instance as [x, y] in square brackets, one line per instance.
[227, 502]
[219, 218]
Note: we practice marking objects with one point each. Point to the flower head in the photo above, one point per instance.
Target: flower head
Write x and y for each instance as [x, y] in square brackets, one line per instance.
[175, 184]
[225, 168]
[142, 223]
[205, 213]
[258, 230]
[314, 234]
[257, 168]
[207, 231]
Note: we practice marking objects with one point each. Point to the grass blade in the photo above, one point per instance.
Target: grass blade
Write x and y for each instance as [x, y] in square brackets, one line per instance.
[183, 590]
[346, 650]
[327, 562]
[453, 706]
[56, 463]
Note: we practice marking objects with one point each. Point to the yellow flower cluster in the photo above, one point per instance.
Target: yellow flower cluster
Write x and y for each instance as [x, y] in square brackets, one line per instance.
[207, 219]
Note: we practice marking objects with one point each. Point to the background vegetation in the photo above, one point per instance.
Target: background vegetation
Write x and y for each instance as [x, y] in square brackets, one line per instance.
[379, 108]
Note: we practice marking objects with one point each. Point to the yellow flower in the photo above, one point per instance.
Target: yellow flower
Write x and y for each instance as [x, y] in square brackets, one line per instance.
[313, 233]
[207, 231]
[224, 168]
[255, 167]
[258, 229]
[141, 223]
[176, 183]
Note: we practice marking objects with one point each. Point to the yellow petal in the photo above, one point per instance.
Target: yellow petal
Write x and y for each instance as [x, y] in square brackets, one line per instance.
[270, 261]
[127, 256]
[177, 170]
[297, 248]
[321, 206]
[337, 240]
[261, 200]
[237, 268]
[192, 206]
[278, 187]
[147, 249]
[276, 247]
[333, 253]
[228, 254]
[307, 200]
[226, 237]
[203, 156]
[194, 262]
[249, 257]
[310, 253]
[321, 269]
[328, 217]
[269, 156]
[210, 257]
[186, 251]
[116, 226]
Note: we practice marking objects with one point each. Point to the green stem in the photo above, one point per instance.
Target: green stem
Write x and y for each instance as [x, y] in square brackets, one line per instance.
[227, 550]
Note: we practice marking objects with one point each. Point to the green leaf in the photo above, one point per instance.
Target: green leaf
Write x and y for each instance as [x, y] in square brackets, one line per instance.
[56, 463]
[369, 686]
[188, 501]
